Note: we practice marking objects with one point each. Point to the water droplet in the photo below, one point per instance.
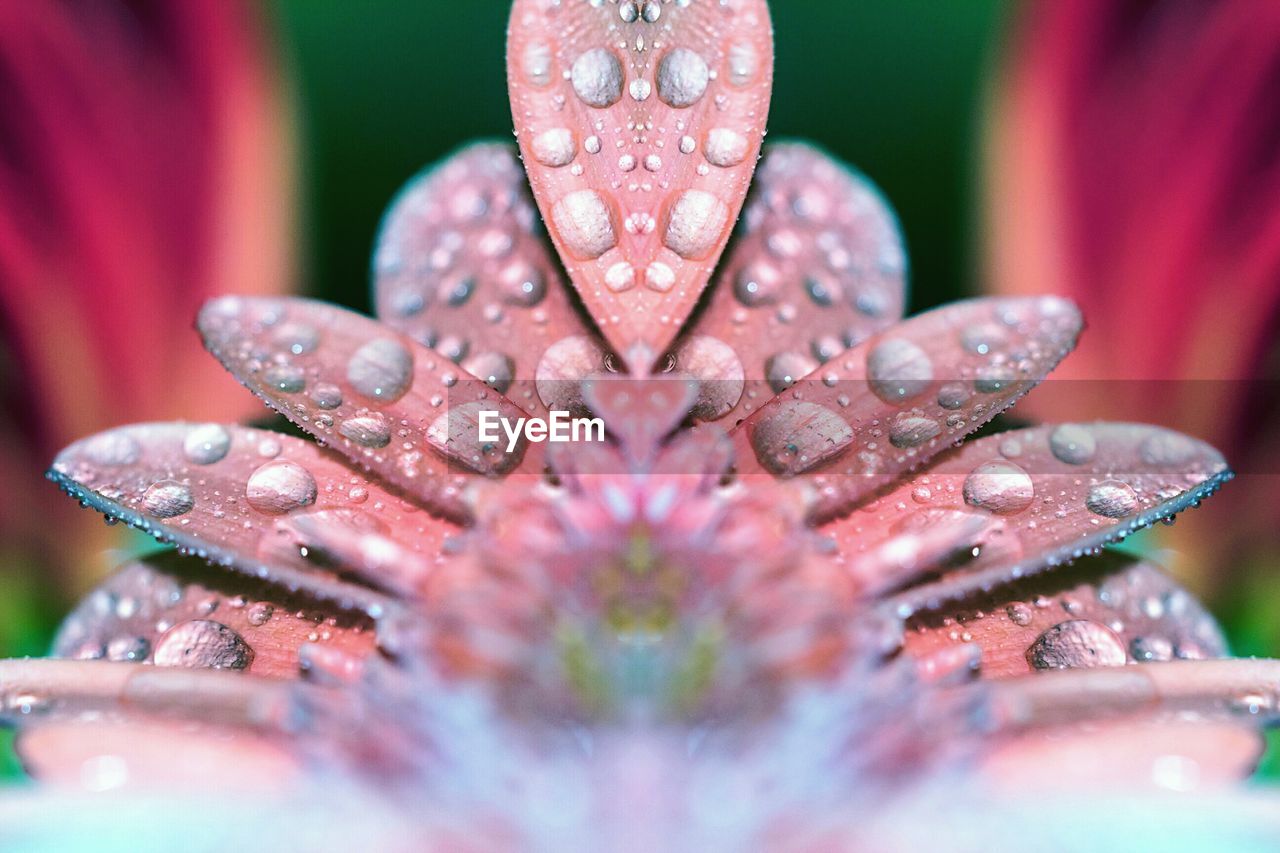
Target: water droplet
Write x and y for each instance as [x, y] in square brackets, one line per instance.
[206, 444]
[260, 614]
[381, 370]
[326, 395]
[297, 338]
[493, 369]
[129, 649]
[953, 396]
[787, 368]
[1077, 643]
[371, 430]
[1073, 444]
[555, 147]
[1151, 649]
[913, 431]
[1000, 487]
[757, 284]
[280, 486]
[682, 78]
[725, 147]
[719, 373]
[984, 338]
[1112, 499]
[898, 370]
[596, 77]
[167, 499]
[285, 378]
[522, 284]
[696, 223]
[1019, 613]
[585, 224]
[793, 437]
[201, 643]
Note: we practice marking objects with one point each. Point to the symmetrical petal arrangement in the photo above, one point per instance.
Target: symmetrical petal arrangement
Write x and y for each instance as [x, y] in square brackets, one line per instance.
[773, 600]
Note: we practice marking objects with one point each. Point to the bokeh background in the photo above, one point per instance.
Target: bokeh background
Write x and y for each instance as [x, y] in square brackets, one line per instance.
[153, 153]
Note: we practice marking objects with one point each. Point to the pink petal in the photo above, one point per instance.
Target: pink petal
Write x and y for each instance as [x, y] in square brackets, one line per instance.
[143, 754]
[460, 265]
[77, 690]
[1105, 611]
[1053, 493]
[640, 125]
[147, 610]
[894, 401]
[394, 407]
[819, 267]
[241, 497]
[1125, 757]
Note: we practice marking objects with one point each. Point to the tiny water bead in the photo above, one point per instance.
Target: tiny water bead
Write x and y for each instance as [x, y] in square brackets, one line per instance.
[280, 486]
[168, 499]
[381, 370]
[207, 444]
[1077, 643]
[203, 644]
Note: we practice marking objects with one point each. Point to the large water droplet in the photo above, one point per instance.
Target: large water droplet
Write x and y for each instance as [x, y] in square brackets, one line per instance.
[1112, 499]
[898, 370]
[913, 431]
[168, 498]
[370, 430]
[207, 444]
[381, 370]
[1000, 487]
[1073, 444]
[285, 378]
[493, 369]
[787, 368]
[201, 643]
[1077, 643]
[796, 436]
[280, 486]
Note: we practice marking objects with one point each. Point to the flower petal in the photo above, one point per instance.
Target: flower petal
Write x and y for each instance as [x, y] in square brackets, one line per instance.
[1053, 493]
[1105, 611]
[400, 410]
[640, 124]
[103, 755]
[158, 610]
[817, 267]
[1129, 755]
[460, 265]
[243, 498]
[894, 401]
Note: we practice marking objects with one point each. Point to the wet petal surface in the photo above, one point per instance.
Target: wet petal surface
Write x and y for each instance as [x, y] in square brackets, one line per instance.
[640, 125]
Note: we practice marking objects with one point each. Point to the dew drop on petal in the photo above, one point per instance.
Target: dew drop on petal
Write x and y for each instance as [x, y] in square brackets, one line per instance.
[898, 370]
[1112, 499]
[797, 436]
[381, 370]
[203, 644]
[285, 378]
[1077, 643]
[206, 444]
[371, 430]
[787, 368]
[168, 499]
[1000, 487]
[913, 431]
[280, 486]
[326, 395]
[1073, 444]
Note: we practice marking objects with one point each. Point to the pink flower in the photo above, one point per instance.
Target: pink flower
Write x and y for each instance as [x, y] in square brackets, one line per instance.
[144, 169]
[778, 607]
